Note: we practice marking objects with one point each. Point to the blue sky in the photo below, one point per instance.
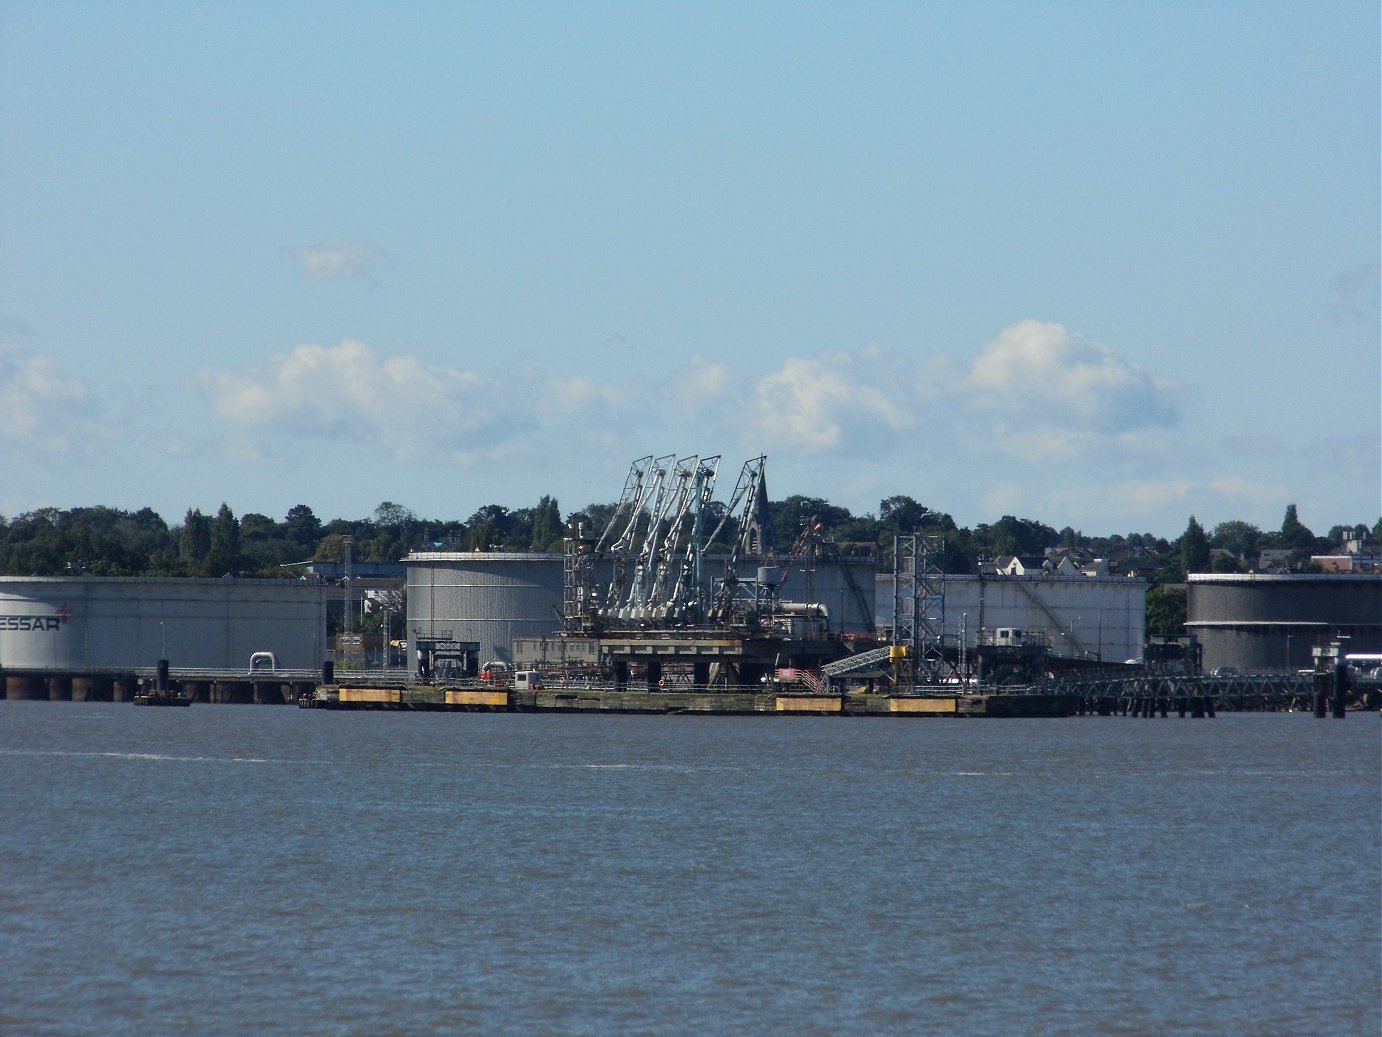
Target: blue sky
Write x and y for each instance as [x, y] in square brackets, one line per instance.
[1101, 265]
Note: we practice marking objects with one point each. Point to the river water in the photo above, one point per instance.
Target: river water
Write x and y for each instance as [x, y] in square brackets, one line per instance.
[239, 869]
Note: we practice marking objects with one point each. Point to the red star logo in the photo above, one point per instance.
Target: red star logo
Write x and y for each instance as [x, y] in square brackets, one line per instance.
[64, 613]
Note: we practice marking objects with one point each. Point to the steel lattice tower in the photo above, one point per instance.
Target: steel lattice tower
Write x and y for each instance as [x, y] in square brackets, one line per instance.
[919, 603]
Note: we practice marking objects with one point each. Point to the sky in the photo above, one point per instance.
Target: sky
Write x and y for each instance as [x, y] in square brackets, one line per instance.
[1101, 265]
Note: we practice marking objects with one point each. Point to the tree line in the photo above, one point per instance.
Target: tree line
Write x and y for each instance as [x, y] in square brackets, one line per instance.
[107, 541]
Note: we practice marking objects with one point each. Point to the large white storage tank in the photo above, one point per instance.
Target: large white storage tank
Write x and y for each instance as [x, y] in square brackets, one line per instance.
[486, 597]
[115, 623]
[1079, 617]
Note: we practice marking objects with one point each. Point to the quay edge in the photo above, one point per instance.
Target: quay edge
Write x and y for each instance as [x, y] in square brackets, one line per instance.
[706, 703]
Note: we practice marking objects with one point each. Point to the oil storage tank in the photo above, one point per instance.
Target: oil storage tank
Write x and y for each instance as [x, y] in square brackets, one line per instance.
[484, 597]
[1266, 622]
[1094, 618]
[116, 623]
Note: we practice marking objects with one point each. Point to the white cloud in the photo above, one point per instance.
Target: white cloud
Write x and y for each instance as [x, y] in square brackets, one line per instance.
[938, 377]
[579, 396]
[40, 407]
[1004, 499]
[703, 387]
[1036, 392]
[840, 401]
[1047, 376]
[350, 391]
[1155, 495]
[335, 259]
[1037, 445]
[1248, 495]
[1210, 499]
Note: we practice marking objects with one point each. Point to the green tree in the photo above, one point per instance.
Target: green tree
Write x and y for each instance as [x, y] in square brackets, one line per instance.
[332, 548]
[1166, 612]
[303, 529]
[1242, 538]
[390, 514]
[901, 514]
[1015, 536]
[147, 541]
[547, 528]
[1294, 534]
[490, 525]
[1194, 548]
[788, 518]
[224, 554]
[862, 529]
[1227, 564]
[264, 549]
[518, 530]
[483, 535]
[194, 544]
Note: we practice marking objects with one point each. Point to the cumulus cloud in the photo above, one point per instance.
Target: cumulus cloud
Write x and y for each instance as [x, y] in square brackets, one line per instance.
[704, 387]
[1037, 392]
[1250, 496]
[579, 396]
[349, 390]
[39, 406]
[335, 259]
[836, 402]
[1211, 498]
[1039, 444]
[1048, 376]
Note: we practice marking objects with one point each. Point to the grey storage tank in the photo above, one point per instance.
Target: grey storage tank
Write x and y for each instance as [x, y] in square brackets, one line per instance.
[1259, 622]
[113, 623]
[486, 597]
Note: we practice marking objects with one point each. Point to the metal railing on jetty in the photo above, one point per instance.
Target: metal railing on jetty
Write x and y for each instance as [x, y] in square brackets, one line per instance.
[1147, 695]
[1104, 693]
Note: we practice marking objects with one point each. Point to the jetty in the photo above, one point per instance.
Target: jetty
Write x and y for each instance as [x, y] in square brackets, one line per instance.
[1133, 696]
[742, 701]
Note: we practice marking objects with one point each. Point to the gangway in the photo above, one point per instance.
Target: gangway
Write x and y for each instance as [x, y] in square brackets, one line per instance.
[853, 663]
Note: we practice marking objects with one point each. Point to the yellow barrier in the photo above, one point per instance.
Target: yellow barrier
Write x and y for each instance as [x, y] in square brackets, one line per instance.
[923, 705]
[495, 699]
[379, 695]
[807, 704]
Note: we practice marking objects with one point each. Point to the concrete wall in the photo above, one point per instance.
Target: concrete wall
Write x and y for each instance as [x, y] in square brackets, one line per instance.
[93, 622]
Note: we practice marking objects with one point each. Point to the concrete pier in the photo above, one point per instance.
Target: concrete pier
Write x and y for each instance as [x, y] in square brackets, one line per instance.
[26, 687]
[93, 689]
[218, 686]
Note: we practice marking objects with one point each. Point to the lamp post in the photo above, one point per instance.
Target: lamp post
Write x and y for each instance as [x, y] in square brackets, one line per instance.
[964, 649]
